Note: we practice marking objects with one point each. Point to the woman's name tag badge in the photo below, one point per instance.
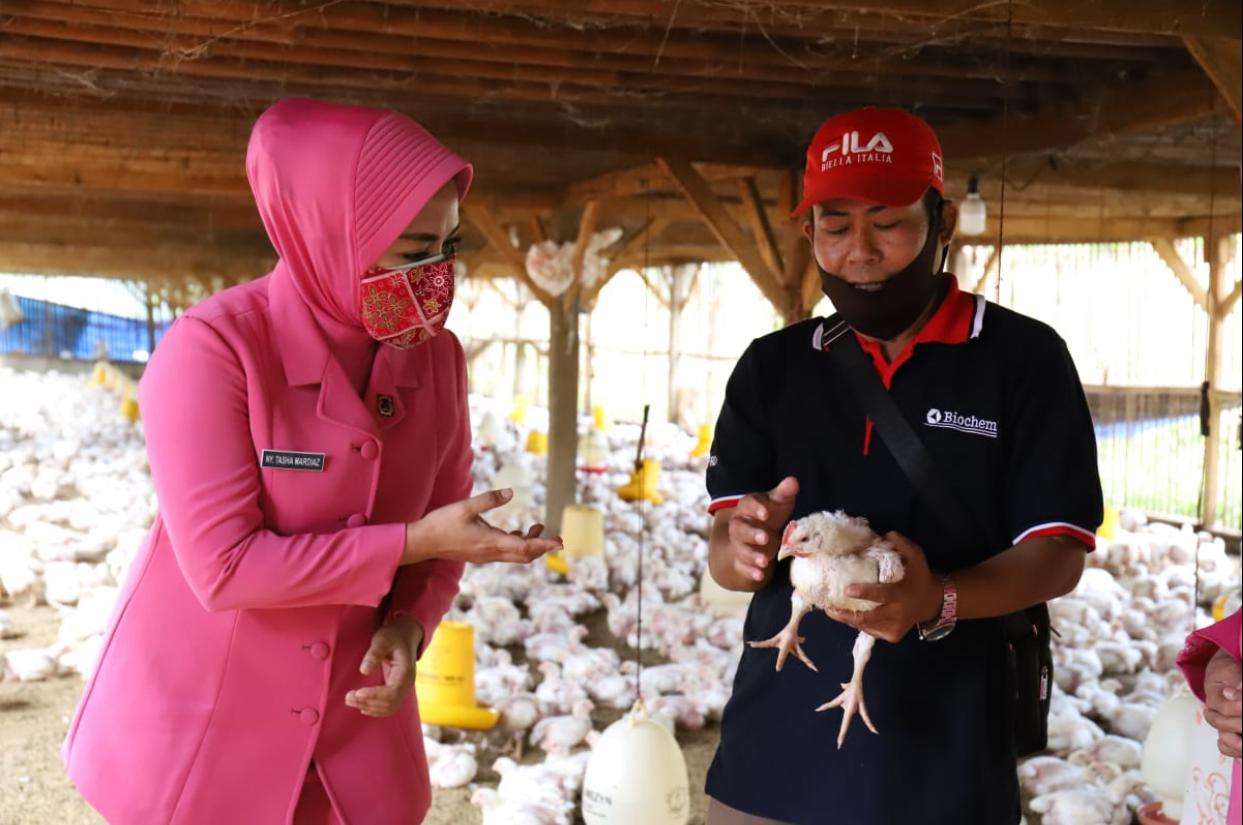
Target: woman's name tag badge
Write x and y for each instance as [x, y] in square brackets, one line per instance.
[290, 460]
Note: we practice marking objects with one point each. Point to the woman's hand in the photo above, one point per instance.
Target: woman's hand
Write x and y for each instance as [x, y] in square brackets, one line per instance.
[393, 647]
[457, 532]
[1223, 702]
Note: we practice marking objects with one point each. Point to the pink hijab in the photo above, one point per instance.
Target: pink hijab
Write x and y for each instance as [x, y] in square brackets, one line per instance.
[335, 186]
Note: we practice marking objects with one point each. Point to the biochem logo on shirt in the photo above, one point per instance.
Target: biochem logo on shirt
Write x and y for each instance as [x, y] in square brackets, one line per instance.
[950, 420]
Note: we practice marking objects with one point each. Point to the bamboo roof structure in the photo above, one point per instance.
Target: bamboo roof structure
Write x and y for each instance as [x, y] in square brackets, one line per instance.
[123, 123]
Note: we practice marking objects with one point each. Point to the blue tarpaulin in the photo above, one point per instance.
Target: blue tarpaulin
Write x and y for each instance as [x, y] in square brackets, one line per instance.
[58, 331]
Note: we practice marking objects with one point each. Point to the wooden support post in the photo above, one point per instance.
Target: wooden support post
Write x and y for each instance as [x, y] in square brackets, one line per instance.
[150, 301]
[563, 371]
[520, 349]
[681, 282]
[562, 413]
[1216, 252]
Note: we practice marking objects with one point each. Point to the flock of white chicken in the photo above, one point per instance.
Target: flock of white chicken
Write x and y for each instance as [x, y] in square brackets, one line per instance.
[76, 499]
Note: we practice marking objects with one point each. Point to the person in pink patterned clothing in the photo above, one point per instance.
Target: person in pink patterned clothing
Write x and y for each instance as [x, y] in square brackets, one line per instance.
[1211, 663]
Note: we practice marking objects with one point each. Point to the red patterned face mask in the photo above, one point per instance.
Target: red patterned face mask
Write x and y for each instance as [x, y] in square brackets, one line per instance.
[406, 305]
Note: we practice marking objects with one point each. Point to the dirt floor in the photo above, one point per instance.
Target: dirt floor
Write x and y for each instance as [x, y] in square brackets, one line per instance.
[35, 716]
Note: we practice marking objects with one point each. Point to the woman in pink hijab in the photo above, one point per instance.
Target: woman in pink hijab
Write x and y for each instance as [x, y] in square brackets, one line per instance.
[309, 439]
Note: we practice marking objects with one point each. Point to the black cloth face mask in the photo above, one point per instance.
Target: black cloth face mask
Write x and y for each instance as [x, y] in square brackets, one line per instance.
[889, 311]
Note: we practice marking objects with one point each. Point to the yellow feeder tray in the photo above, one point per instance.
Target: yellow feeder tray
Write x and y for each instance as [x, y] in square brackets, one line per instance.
[519, 414]
[1109, 526]
[705, 441]
[582, 531]
[537, 443]
[642, 484]
[556, 563]
[445, 681]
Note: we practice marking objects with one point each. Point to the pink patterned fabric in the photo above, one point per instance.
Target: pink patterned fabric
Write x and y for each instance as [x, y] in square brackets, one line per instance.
[247, 612]
[1201, 646]
[405, 307]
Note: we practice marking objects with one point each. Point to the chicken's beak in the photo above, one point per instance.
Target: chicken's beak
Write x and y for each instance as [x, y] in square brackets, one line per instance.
[787, 549]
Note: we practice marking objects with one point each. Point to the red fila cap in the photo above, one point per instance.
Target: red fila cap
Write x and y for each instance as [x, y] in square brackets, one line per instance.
[884, 156]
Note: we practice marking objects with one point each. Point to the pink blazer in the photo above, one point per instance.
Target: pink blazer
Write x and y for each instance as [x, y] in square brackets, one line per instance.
[1201, 646]
[246, 615]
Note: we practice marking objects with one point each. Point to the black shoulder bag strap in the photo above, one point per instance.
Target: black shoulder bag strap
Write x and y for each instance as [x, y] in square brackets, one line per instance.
[1027, 632]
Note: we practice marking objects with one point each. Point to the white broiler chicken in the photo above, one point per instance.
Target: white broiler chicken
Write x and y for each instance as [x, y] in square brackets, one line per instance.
[519, 713]
[560, 734]
[832, 551]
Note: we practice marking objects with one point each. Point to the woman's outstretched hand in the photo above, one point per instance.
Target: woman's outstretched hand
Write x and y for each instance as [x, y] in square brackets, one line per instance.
[457, 532]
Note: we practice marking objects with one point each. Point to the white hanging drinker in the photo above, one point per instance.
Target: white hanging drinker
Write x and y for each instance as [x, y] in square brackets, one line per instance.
[1167, 750]
[636, 774]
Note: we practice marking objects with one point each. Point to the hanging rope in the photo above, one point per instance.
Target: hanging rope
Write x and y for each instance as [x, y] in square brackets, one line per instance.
[1211, 425]
[640, 474]
[1005, 149]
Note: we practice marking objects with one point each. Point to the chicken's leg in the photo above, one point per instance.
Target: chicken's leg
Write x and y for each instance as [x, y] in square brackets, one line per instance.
[788, 641]
[851, 697]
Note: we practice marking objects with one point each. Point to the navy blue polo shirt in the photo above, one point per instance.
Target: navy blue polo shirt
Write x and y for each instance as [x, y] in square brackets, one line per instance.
[996, 399]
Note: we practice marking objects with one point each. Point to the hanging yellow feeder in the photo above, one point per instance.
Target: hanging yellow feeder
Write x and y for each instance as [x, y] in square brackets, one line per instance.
[519, 413]
[129, 409]
[1109, 525]
[642, 484]
[556, 563]
[601, 420]
[445, 681]
[705, 441]
[537, 443]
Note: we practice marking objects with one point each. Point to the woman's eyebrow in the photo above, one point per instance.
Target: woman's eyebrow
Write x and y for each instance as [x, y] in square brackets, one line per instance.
[429, 237]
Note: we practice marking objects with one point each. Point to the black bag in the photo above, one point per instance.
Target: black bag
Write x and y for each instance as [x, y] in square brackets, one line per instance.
[1027, 633]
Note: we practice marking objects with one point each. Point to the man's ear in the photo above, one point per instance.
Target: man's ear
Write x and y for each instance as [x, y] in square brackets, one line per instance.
[949, 221]
[809, 224]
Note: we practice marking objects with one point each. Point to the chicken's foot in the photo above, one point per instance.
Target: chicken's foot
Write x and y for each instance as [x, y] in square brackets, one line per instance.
[850, 699]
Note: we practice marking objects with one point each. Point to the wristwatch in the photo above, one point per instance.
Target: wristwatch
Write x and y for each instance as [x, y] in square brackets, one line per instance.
[944, 624]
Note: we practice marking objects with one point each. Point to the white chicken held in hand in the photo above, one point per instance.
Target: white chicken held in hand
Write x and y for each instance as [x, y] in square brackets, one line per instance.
[832, 551]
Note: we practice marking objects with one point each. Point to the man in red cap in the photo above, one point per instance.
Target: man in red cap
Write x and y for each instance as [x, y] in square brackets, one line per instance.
[995, 400]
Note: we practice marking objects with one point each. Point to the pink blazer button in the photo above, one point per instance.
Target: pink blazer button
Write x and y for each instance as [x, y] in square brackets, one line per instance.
[320, 650]
[370, 451]
[308, 716]
[356, 520]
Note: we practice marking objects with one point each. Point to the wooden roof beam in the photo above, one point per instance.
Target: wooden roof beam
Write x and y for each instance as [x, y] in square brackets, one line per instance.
[1145, 17]
[1222, 60]
[1121, 108]
[761, 229]
[699, 193]
[128, 263]
[480, 216]
[1165, 248]
[567, 51]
